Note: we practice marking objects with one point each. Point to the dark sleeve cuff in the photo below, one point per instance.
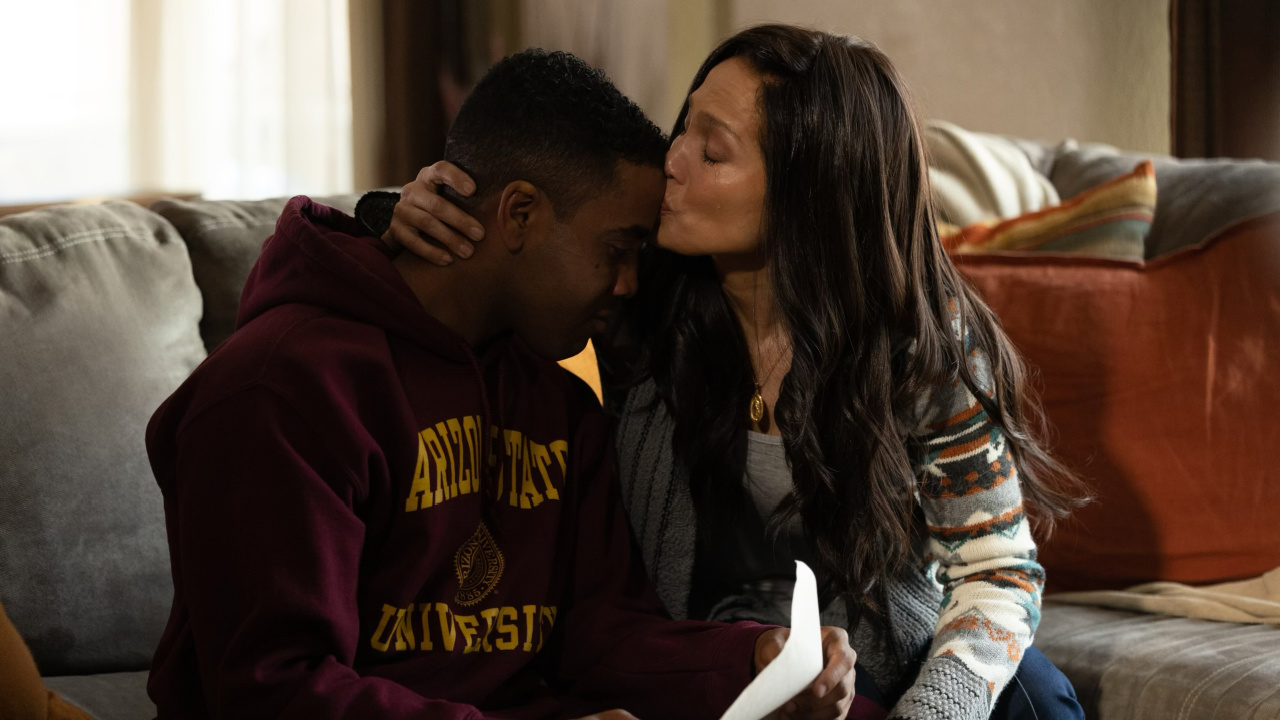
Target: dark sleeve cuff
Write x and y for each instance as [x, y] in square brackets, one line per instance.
[374, 210]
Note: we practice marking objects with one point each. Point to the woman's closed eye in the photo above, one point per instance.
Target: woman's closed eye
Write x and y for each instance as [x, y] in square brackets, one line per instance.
[706, 158]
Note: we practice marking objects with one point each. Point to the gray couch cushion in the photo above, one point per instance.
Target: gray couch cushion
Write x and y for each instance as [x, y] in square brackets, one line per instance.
[114, 696]
[98, 313]
[1195, 198]
[225, 238]
[1132, 666]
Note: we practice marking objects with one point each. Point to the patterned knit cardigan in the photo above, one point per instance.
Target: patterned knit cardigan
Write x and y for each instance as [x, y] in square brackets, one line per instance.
[957, 627]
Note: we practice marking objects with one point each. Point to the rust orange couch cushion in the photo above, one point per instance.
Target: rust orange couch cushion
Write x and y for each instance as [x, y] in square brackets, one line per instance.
[1162, 385]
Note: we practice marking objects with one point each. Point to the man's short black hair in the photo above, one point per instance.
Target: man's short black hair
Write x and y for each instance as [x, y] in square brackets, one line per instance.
[552, 120]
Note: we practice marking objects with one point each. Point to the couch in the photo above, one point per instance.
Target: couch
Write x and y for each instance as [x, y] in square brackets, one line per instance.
[105, 309]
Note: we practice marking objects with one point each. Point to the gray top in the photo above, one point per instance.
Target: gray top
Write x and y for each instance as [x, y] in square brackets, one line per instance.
[768, 475]
[742, 565]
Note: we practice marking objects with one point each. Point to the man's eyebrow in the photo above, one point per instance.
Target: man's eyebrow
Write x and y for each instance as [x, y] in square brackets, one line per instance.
[708, 117]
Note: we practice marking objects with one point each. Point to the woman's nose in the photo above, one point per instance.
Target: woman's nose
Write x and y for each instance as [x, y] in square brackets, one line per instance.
[669, 166]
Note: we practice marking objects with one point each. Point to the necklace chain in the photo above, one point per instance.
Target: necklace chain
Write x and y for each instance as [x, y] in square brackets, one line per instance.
[776, 362]
[756, 409]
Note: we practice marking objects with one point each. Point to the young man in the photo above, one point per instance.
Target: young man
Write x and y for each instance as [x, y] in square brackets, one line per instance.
[384, 498]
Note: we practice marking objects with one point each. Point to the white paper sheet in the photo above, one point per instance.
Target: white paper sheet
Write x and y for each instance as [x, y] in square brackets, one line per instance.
[796, 666]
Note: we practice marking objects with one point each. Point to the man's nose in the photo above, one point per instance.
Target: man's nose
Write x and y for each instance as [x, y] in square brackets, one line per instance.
[628, 280]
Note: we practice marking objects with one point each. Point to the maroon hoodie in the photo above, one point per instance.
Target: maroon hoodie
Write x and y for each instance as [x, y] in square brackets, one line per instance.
[345, 546]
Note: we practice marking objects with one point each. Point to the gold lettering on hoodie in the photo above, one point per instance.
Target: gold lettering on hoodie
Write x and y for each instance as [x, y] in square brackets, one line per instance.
[401, 630]
[448, 466]
[492, 629]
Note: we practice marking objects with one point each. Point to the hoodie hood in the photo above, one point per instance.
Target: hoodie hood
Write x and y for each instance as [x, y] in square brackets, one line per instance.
[322, 257]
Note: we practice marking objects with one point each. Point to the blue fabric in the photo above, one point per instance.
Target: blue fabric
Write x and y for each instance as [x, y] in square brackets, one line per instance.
[865, 686]
[1039, 691]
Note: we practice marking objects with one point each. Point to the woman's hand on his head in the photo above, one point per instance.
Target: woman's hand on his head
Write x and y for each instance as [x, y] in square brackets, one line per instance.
[831, 694]
[422, 213]
[611, 715]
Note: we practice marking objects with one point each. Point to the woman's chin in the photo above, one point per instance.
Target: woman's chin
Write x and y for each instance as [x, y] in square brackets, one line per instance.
[676, 242]
[688, 244]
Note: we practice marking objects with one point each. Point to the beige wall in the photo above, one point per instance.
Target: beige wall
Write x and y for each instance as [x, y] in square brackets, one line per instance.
[629, 39]
[1094, 70]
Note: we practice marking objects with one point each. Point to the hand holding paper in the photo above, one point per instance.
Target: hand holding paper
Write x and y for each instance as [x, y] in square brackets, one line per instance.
[799, 663]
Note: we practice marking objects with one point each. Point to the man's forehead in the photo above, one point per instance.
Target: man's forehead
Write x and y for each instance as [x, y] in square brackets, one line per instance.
[633, 200]
[631, 179]
[633, 221]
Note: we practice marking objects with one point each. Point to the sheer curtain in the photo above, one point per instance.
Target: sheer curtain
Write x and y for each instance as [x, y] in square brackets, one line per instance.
[242, 98]
[64, 114]
[228, 98]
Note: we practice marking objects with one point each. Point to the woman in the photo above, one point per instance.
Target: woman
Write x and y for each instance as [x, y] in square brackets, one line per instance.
[805, 376]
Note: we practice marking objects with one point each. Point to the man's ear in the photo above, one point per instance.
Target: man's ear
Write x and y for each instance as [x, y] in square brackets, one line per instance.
[524, 214]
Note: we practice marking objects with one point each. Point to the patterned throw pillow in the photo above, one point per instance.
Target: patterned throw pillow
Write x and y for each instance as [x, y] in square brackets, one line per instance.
[1112, 221]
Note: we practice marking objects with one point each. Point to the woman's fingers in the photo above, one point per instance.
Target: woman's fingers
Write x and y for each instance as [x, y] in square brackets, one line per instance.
[425, 193]
[433, 227]
[422, 213]
[446, 173]
[424, 197]
[402, 236]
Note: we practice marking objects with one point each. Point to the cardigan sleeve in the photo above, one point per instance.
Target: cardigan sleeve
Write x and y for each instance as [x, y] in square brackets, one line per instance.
[986, 558]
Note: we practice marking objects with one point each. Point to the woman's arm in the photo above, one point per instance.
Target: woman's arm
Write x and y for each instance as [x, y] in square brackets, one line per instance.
[978, 533]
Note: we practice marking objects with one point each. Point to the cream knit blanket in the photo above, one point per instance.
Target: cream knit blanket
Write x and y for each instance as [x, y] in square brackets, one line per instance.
[1256, 600]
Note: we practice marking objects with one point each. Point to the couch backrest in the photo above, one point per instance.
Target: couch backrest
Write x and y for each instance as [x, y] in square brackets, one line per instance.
[224, 238]
[978, 176]
[1195, 199]
[98, 320]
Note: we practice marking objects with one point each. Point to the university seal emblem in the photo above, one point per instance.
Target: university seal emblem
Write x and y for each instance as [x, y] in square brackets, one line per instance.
[479, 565]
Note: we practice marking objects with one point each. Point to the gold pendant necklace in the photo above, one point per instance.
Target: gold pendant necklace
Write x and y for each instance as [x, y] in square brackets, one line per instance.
[756, 411]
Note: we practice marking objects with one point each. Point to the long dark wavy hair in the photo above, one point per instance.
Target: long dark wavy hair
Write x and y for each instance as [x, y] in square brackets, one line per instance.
[867, 296]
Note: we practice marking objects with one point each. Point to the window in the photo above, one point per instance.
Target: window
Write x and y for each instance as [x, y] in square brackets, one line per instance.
[229, 98]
